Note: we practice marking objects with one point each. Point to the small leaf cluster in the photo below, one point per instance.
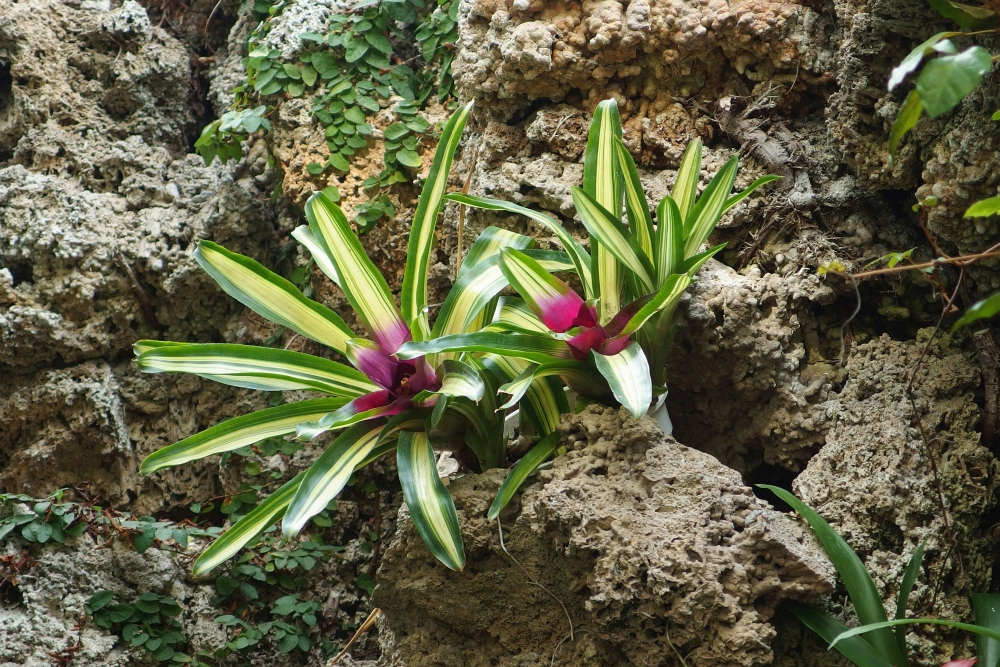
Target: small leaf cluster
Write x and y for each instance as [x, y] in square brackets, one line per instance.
[224, 137]
[150, 622]
[245, 589]
[947, 75]
[47, 518]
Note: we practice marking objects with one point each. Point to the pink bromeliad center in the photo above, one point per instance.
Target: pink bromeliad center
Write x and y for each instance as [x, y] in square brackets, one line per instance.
[588, 334]
[399, 380]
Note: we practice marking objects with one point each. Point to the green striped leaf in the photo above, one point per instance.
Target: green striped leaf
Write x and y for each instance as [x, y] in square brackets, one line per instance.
[314, 243]
[627, 374]
[545, 401]
[669, 240]
[348, 415]
[668, 296]
[860, 586]
[246, 529]
[692, 264]
[636, 208]
[705, 214]
[490, 242]
[602, 180]
[580, 258]
[855, 649]
[459, 379]
[363, 284]
[576, 373]
[418, 249]
[987, 608]
[240, 432]
[555, 303]
[476, 288]
[272, 297]
[414, 419]
[430, 504]
[253, 367]
[535, 457]
[743, 194]
[328, 475]
[523, 346]
[686, 184]
[515, 312]
[615, 239]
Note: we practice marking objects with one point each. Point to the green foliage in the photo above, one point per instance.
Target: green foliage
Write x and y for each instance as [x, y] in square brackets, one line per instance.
[150, 621]
[880, 642]
[353, 70]
[981, 310]
[948, 75]
[47, 518]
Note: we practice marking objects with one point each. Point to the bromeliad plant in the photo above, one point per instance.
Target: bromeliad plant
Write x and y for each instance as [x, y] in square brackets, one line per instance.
[596, 344]
[881, 642]
[387, 400]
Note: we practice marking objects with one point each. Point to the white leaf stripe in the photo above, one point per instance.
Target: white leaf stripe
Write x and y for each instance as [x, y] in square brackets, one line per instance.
[546, 400]
[524, 346]
[628, 375]
[246, 529]
[314, 243]
[240, 432]
[535, 457]
[418, 249]
[360, 279]
[461, 379]
[704, 215]
[602, 226]
[668, 296]
[602, 180]
[686, 185]
[490, 242]
[532, 282]
[669, 239]
[328, 475]
[431, 507]
[272, 297]
[514, 311]
[476, 288]
[579, 256]
[257, 367]
[520, 385]
[636, 207]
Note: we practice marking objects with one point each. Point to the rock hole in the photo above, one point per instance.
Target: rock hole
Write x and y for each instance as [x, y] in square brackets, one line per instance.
[21, 272]
[6, 86]
[768, 473]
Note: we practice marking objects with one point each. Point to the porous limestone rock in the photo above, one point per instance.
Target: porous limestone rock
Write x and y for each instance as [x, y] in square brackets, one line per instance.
[647, 543]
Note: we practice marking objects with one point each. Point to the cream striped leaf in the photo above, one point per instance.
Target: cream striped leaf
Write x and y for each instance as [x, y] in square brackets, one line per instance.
[360, 279]
[246, 529]
[490, 242]
[602, 180]
[628, 375]
[414, 419]
[524, 346]
[666, 298]
[692, 264]
[314, 243]
[272, 297]
[514, 311]
[669, 239]
[476, 288]
[240, 432]
[685, 188]
[535, 457]
[705, 214]
[574, 372]
[418, 249]
[328, 475]
[431, 507]
[254, 367]
[636, 207]
[545, 401]
[577, 253]
[614, 239]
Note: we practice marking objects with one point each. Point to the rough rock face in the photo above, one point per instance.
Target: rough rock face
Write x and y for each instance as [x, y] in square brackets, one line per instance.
[100, 205]
[875, 477]
[646, 543]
